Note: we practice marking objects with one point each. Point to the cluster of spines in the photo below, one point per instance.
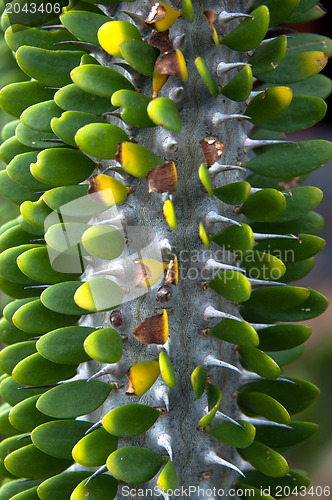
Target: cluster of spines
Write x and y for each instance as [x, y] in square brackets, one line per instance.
[43, 156]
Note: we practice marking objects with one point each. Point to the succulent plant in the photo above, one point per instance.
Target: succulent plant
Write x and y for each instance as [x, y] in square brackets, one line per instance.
[179, 282]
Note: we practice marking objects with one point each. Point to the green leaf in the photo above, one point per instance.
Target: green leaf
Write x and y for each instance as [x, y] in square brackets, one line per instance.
[163, 112]
[9, 268]
[294, 479]
[38, 116]
[99, 80]
[265, 205]
[206, 76]
[250, 32]
[188, 13]
[62, 166]
[65, 345]
[296, 67]
[258, 404]
[16, 290]
[98, 294]
[239, 87]
[35, 212]
[233, 194]
[277, 298]
[235, 238]
[205, 178]
[136, 160]
[35, 370]
[284, 358]
[9, 334]
[75, 202]
[12, 307]
[314, 306]
[231, 285]
[6, 428]
[235, 332]
[17, 35]
[291, 160]
[15, 236]
[269, 104]
[93, 449]
[259, 362]
[99, 140]
[40, 64]
[167, 479]
[214, 401]
[293, 250]
[66, 126]
[72, 98]
[73, 399]
[36, 264]
[280, 337]
[60, 298]
[265, 460]
[279, 10]
[7, 446]
[303, 112]
[261, 265]
[294, 394]
[31, 463]
[316, 86]
[13, 393]
[30, 494]
[199, 380]
[139, 55]
[25, 416]
[19, 171]
[297, 270]
[301, 42]
[12, 488]
[103, 487]
[233, 435]
[309, 16]
[66, 238]
[134, 465]
[112, 34]
[58, 438]
[36, 318]
[312, 223]
[104, 345]
[300, 201]
[130, 420]
[60, 487]
[12, 355]
[282, 438]
[13, 191]
[134, 106]
[35, 139]
[16, 97]
[8, 150]
[166, 369]
[8, 130]
[84, 25]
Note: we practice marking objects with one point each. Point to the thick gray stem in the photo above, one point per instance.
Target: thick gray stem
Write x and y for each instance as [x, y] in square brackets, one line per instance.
[188, 347]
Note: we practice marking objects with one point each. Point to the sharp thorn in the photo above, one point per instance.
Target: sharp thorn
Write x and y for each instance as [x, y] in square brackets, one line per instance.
[101, 470]
[211, 361]
[94, 427]
[213, 217]
[212, 313]
[212, 458]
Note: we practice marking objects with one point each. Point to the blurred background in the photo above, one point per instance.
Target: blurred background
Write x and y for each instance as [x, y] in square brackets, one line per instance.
[315, 456]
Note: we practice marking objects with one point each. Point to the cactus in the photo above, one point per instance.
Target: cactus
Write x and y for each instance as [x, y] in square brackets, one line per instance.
[149, 321]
